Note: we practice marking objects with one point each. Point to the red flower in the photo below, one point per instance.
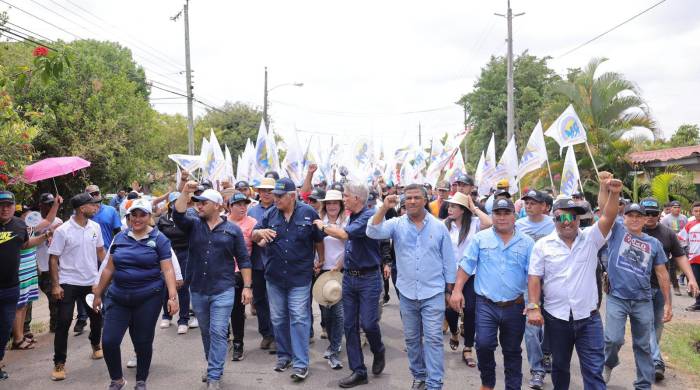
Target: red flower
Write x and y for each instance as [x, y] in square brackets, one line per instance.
[2, 163]
[3, 178]
[40, 51]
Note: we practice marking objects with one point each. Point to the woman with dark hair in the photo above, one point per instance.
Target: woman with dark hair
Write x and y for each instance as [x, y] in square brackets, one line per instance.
[463, 221]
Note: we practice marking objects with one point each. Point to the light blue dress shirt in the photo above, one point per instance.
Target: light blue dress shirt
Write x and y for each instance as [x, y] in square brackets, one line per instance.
[425, 259]
[501, 270]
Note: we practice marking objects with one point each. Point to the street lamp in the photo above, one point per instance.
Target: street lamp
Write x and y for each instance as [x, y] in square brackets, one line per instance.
[267, 91]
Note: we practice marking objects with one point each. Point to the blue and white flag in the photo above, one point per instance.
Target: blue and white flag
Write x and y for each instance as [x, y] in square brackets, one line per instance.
[569, 176]
[186, 161]
[567, 130]
[535, 153]
[262, 158]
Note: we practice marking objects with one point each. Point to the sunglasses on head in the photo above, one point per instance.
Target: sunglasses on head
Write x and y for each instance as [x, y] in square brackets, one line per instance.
[565, 218]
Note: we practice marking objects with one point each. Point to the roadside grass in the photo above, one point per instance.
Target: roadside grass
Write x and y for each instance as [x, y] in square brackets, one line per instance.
[681, 346]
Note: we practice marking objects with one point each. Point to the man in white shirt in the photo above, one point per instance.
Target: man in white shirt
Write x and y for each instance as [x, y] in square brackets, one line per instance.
[74, 252]
[563, 264]
[48, 205]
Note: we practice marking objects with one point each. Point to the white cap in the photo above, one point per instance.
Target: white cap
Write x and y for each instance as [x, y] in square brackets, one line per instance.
[210, 195]
[141, 204]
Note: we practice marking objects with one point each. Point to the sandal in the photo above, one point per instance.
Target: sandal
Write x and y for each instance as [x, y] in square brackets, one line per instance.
[467, 357]
[454, 341]
[23, 345]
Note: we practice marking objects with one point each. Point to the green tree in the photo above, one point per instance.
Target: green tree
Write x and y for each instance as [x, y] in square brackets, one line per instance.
[686, 135]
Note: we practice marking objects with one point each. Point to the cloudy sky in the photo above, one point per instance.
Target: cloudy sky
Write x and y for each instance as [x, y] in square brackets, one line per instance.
[379, 68]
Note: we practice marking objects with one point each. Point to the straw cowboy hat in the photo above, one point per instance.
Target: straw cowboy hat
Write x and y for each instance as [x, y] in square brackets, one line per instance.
[459, 198]
[328, 289]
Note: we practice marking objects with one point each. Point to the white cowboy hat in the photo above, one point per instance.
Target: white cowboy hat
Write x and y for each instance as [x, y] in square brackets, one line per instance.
[458, 198]
[328, 289]
[333, 195]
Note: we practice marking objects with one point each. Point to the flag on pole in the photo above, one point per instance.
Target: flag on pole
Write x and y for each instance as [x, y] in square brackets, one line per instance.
[567, 130]
[293, 160]
[455, 167]
[262, 158]
[217, 168]
[569, 176]
[186, 161]
[228, 171]
[206, 157]
[479, 175]
[272, 152]
[507, 167]
[535, 153]
[489, 169]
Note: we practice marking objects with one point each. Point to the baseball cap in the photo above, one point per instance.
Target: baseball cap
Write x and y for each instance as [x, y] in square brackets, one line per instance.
[635, 208]
[272, 175]
[537, 196]
[464, 179]
[141, 204]
[242, 184]
[502, 193]
[82, 199]
[92, 188]
[577, 194]
[650, 205]
[238, 197]
[566, 203]
[204, 185]
[267, 183]
[443, 185]
[7, 197]
[502, 184]
[46, 198]
[282, 186]
[317, 194]
[586, 206]
[503, 204]
[675, 203]
[173, 196]
[209, 195]
[132, 195]
[339, 186]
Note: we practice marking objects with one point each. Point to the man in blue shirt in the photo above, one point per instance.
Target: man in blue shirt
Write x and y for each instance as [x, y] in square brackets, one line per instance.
[258, 258]
[106, 217]
[536, 224]
[362, 284]
[498, 257]
[632, 256]
[214, 245]
[118, 199]
[287, 231]
[426, 271]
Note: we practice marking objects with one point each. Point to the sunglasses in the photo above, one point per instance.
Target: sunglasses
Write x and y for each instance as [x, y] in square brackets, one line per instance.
[311, 200]
[95, 193]
[565, 218]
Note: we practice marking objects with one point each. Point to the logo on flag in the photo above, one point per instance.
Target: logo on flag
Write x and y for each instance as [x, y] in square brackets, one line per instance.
[569, 128]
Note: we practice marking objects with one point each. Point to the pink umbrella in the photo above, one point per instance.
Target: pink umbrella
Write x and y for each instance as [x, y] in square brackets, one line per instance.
[51, 167]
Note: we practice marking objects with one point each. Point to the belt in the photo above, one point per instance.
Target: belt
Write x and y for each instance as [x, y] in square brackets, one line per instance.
[517, 301]
[593, 312]
[361, 271]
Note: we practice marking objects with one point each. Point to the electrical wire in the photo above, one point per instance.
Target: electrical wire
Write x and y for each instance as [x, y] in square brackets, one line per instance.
[362, 114]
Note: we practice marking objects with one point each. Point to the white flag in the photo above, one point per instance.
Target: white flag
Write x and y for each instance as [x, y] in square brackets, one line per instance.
[228, 172]
[217, 169]
[489, 165]
[186, 161]
[262, 158]
[507, 167]
[567, 130]
[535, 153]
[272, 152]
[455, 167]
[479, 176]
[206, 158]
[569, 175]
[294, 160]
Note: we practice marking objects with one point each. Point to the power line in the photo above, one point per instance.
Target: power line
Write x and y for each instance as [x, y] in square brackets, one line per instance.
[363, 114]
[8, 31]
[612, 29]
[30, 31]
[43, 20]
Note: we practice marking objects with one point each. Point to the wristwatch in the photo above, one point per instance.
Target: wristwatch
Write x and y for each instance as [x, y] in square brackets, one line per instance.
[532, 306]
[323, 228]
[248, 286]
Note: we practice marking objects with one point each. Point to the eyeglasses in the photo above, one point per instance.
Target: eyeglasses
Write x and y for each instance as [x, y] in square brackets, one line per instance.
[561, 218]
[96, 193]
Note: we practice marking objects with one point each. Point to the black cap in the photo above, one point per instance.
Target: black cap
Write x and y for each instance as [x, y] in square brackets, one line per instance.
[650, 205]
[238, 197]
[204, 185]
[317, 193]
[586, 206]
[7, 197]
[568, 204]
[635, 208]
[372, 196]
[242, 184]
[537, 196]
[464, 179]
[503, 204]
[428, 185]
[82, 199]
[272, 174]
[46, 198]
[283, 186]
[577, 194]
[132, 195]
[501, 193]
[674, 203]
[339, 186]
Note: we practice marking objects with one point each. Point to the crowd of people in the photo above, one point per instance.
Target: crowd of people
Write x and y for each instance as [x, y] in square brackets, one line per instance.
[491, 270]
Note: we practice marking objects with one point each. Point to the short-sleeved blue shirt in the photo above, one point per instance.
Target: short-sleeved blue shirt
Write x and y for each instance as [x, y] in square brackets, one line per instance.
[137, 262]
[108, 219]
[290, 256]
[361, 252]
[259, 255]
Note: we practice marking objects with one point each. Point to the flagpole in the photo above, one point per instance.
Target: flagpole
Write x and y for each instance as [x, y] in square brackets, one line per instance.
[593, 161]
[551, 179]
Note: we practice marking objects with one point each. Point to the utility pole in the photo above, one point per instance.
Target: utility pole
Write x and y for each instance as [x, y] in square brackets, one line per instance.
[419, 134]
[188, 76]
[265, 117]
[510, 121]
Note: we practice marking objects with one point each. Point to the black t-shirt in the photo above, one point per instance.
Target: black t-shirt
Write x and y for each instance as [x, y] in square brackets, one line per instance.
[13, 235]
[669, 240]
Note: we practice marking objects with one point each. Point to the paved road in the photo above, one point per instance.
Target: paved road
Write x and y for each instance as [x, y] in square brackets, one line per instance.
[178, 363]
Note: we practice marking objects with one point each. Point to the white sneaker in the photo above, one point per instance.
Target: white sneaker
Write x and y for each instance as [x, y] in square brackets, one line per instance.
[606, 373]
[132, 362]
[182, 329]
[164, 324]
[193, 323]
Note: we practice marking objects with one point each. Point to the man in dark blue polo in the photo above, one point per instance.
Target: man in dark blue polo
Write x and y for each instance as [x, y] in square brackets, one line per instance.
[287, 230]
[214, 244]
[362, 285]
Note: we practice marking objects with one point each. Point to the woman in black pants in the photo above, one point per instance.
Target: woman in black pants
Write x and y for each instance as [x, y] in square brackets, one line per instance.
[137, 258]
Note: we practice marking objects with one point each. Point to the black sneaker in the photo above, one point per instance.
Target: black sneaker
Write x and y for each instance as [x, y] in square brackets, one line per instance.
[659, 373]
[547, 363]
[282, 366]
[3, 374]
[79, 327]
[299, 374]
[237, 354]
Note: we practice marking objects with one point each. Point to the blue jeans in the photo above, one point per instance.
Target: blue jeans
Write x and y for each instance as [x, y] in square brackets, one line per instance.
[533, 346]
[510, 323]
[260, 301]
[8, 308]
[657, 299]
[361, 308]
[332, 317]
[587, 336]
[641, 315]
[291, 320]
[213, 314]
[422, 326]
[138, 313]
[183, 294]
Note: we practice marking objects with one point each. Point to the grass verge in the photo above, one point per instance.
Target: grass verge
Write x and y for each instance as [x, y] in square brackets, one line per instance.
[680, 345]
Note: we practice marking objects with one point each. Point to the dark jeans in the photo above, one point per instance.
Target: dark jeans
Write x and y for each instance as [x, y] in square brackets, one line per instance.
[587, 336]
[696, 273]
[361, 309]
[8, 308]
[452, 316]
[45, 286]
[238, 313]
[506, 325]
[261, 303]
[183, 294]
[71, 295]
[672, 272]
[138, 313]
[394, 277]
